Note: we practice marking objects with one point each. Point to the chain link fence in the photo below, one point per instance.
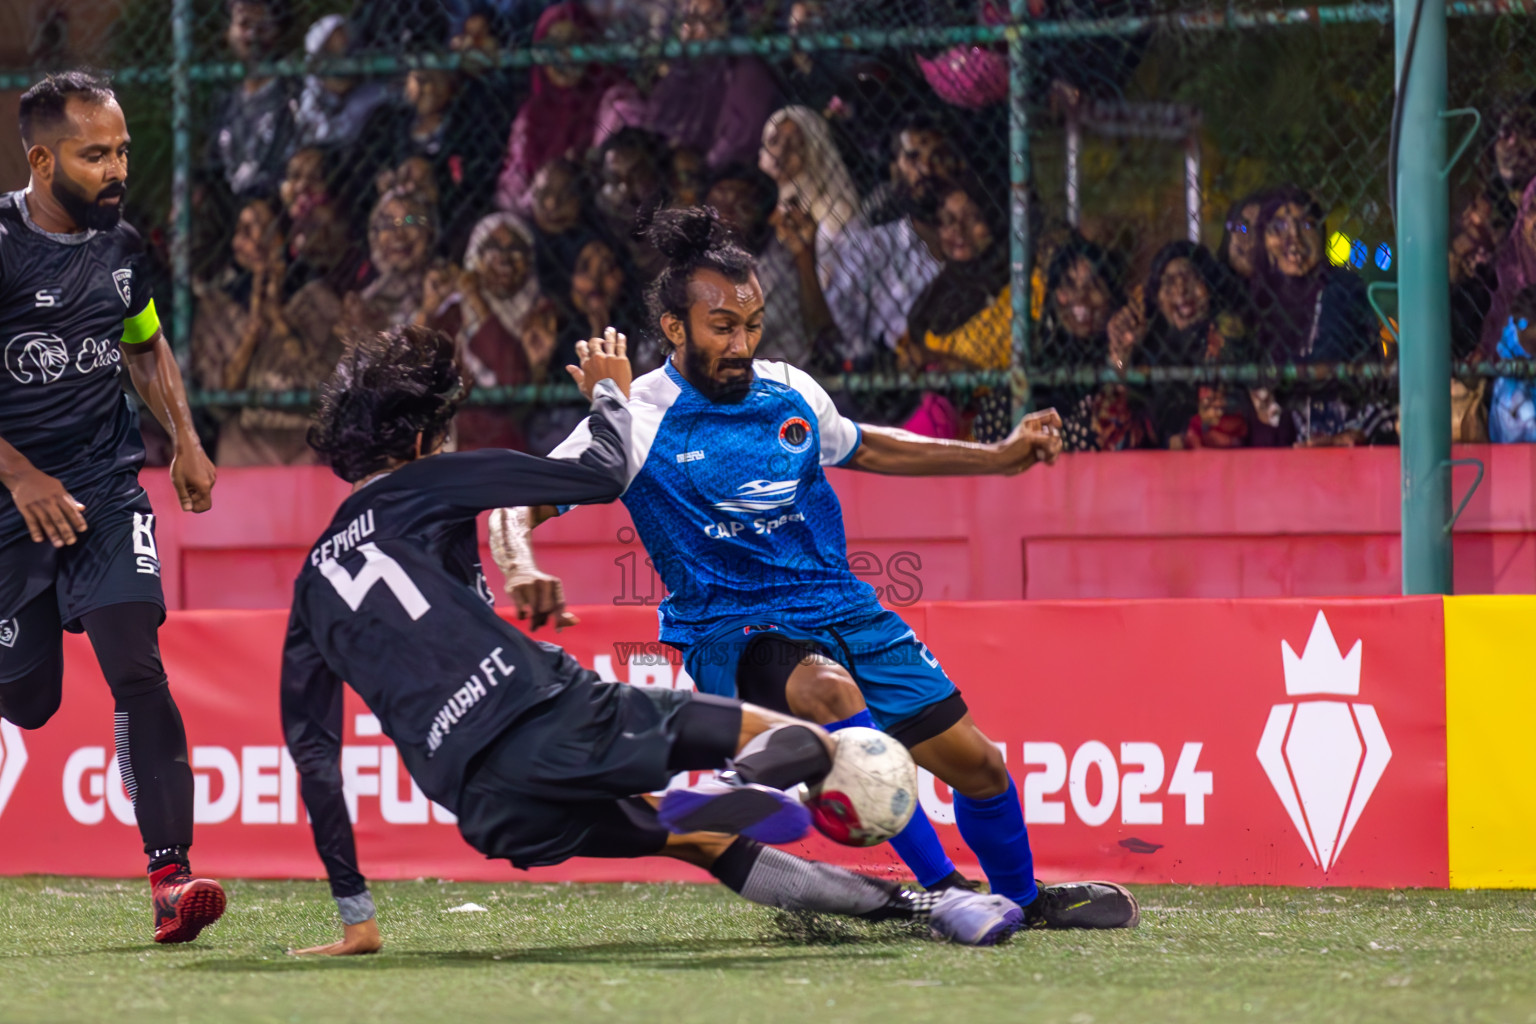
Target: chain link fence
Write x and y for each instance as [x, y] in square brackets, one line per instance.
[1161, 218]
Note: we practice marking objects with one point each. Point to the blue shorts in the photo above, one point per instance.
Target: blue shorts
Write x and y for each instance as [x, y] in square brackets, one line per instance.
[899, 677]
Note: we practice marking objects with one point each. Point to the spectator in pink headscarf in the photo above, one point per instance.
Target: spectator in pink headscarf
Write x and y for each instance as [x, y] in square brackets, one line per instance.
[560, 117]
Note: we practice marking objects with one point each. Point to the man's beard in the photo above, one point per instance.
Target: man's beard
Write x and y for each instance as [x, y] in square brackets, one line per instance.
[718, 391]
[90, 214]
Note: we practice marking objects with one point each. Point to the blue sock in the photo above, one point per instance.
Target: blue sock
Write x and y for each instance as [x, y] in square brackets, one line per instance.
[917, 844]
[863, 718]
[994, 830]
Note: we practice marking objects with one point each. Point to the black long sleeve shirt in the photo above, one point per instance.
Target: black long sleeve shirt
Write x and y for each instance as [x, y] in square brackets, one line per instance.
[392, 600]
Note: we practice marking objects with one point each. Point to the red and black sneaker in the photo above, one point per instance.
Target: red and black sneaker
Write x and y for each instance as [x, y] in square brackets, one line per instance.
[184, 905]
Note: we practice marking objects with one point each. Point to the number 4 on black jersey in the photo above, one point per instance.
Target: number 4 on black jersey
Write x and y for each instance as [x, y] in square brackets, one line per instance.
[389, 600]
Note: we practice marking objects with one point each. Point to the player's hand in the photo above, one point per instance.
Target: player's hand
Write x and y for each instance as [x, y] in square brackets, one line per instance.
[47, 508]
[356, 940]
[602, 357]
[537, 596]
[193, 473]
[1037, 438]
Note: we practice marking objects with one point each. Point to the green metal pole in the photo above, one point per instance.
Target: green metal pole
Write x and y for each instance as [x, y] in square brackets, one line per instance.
[181, 175]
[1019, 243]
[1423, 218]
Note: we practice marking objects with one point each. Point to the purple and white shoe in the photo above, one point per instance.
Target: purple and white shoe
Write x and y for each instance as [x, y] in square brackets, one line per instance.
[973, 918]
[736, 808]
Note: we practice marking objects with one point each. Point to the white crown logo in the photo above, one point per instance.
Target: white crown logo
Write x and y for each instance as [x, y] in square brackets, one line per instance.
[1321, 669]
[1324, 757]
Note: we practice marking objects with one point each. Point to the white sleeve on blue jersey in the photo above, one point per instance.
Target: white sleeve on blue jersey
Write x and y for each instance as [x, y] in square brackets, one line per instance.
[840, 436]
[649, 399]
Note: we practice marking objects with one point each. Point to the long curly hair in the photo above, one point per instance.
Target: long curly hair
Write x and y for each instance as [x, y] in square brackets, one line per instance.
[388, 388]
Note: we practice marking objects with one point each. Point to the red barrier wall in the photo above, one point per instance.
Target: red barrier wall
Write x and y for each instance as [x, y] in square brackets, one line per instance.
[1201, 742]
[1137, 524]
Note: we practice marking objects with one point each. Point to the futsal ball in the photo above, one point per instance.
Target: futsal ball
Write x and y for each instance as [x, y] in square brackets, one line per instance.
[871, 792]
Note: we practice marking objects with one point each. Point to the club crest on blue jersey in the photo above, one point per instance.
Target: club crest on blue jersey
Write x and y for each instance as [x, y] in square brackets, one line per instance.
[795, 435]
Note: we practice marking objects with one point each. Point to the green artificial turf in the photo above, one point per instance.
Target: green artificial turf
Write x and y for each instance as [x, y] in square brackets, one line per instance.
[78, 950]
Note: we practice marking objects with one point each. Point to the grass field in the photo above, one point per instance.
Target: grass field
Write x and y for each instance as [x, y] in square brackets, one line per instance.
[77, 950]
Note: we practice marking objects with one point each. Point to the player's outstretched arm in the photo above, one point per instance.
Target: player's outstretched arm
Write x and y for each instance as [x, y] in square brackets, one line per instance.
[152, 366]
[494, 478]
[312, 721]
[897, 452]
[537, 595]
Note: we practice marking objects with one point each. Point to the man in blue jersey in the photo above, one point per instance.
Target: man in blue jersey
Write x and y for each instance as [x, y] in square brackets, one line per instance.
[537, 758]
[727, 491]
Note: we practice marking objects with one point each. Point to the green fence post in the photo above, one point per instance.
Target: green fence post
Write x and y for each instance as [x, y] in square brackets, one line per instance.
[1424, 351]
[1018, 190]
[181, 174]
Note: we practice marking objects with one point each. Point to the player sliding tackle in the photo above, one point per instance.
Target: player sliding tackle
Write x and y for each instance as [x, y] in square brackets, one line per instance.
[726, 489]
[539, 759]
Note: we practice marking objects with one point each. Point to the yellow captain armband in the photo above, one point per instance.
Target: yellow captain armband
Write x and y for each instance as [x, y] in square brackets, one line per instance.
[142, 327]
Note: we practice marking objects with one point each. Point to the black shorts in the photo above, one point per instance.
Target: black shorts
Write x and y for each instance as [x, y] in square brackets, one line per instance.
[44, 589]
[564, 781]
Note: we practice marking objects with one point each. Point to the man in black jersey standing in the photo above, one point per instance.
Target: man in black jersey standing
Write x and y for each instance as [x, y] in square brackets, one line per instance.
[77, 534]
[537, 757]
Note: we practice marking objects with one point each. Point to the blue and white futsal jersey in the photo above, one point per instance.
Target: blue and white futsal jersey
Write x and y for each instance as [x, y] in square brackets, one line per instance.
[732, 505]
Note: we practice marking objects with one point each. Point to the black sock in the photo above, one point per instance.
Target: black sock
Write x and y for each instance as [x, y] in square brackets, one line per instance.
[151, 741]
[778, 879]
[783, 757]
[152, 757]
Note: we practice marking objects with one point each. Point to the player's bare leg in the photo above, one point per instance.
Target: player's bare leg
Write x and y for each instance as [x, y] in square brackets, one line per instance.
[820, 690]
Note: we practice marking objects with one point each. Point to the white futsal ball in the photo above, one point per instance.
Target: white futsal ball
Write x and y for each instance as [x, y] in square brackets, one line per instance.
[871, 792]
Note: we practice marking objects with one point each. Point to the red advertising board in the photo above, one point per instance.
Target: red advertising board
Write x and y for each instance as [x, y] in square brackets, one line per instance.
[1209, 742]
[1242, 742]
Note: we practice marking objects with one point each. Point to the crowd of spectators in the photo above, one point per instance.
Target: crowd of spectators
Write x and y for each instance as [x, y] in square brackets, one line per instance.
[501, 207]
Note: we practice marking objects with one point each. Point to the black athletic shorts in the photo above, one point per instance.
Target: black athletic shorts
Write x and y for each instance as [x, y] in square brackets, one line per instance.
[564, 781]
[44, 589]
